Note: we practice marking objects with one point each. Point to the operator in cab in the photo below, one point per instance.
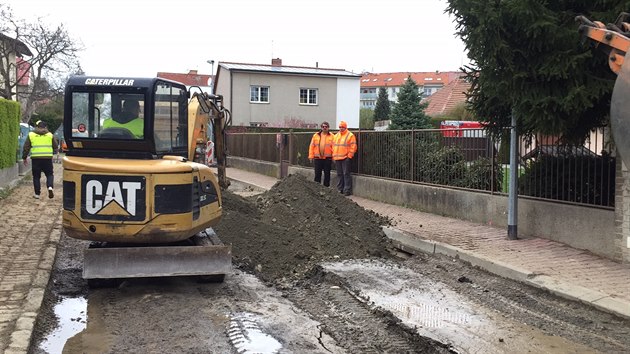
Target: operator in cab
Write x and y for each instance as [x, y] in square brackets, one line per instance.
[129, 119]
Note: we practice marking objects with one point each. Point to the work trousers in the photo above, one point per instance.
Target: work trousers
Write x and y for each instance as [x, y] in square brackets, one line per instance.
[39, 166]
[322, 165]
[344, 178]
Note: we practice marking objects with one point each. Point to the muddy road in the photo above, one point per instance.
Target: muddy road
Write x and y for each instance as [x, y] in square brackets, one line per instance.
[314, 273]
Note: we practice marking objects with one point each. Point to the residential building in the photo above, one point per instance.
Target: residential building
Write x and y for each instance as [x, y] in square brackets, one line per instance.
[428, 82]
[448, 97]
[11, 51]
[278, 95]
[191, 80]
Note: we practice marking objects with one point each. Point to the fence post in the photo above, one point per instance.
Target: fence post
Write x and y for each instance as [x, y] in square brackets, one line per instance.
[513, 192]
[413, 154]
[260, 146]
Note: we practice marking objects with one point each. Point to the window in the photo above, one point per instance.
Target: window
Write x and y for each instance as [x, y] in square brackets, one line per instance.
[259, 94]
[107, 115]
[171, 118]
[308, 96]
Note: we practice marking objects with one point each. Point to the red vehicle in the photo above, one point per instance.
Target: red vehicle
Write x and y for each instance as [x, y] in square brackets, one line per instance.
[462, 128]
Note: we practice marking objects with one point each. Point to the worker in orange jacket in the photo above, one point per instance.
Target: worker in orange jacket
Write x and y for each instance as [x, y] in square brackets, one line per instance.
[320, 153]
[344, 148]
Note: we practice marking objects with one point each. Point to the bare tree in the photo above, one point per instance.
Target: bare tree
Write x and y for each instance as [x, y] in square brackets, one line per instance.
[54, 56]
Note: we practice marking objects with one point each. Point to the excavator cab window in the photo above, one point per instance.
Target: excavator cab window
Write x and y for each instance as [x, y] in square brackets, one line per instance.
[171, 119]
[107, 115]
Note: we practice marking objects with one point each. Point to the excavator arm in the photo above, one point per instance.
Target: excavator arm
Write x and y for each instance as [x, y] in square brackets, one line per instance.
[206, 109]
[614, 40]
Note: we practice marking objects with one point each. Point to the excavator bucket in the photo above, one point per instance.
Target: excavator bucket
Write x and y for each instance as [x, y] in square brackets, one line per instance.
[620, 111]
[201, 255]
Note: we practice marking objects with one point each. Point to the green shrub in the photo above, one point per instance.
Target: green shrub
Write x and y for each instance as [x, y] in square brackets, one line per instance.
[9, 132]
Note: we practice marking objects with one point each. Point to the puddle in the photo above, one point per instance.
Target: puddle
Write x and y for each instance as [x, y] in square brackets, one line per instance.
[72, 318]
[247, 337]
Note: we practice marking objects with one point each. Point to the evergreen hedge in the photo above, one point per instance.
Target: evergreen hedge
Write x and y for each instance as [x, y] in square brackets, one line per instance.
[9, 132]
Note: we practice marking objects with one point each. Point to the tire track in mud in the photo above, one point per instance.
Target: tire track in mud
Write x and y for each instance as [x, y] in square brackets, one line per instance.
[352, 323]
[531, 306]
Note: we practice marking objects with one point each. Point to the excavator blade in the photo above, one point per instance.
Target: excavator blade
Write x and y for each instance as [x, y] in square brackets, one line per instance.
[205, 255]
[620, 111]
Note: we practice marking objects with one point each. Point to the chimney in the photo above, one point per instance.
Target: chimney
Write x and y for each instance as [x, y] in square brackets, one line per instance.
[276, 62]
[192, 72]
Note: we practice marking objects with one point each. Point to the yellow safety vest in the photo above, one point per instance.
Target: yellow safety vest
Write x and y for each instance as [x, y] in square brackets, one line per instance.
[41, 145]
[136, 126]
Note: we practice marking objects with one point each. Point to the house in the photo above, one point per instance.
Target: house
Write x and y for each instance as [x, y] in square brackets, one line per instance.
[428, 82]
[192, 79]
[278, 95]
[447, 98]
[12, 51]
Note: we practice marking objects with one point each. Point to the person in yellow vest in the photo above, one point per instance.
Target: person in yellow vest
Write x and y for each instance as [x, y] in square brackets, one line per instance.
[320, 154]
[42, 145]
[344, 148]
[129, 119]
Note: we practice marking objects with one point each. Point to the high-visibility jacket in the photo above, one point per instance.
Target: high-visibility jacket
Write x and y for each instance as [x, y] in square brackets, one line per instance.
[135, 126]
[344, 146]
[41, 145]
[315, 151]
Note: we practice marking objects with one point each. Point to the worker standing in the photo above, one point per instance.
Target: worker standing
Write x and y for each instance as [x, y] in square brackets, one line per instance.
[320, 153]
[344, 148]
[42, 145]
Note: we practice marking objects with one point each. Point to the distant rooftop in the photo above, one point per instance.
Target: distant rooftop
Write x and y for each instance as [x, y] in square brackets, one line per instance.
[430, 78]
[277, 67]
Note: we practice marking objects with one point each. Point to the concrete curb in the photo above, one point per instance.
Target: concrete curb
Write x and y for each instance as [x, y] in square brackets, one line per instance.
[413, 244]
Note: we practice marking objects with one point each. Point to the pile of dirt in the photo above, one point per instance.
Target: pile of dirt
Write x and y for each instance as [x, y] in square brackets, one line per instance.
[282, 234]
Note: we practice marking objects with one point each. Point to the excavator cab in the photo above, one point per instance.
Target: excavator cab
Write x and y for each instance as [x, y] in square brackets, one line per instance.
[130, 185]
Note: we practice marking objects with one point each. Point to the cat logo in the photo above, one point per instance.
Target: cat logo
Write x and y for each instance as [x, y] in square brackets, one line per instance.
[116, 198]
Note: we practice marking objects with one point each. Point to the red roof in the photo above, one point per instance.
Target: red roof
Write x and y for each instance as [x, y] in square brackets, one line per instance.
[399, 79]
[448, 97]
[190, 79]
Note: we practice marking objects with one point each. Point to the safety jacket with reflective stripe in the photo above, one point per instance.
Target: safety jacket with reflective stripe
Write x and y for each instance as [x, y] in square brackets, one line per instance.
[41, 145]
[344, 146]
[136, 126]
[315, 151]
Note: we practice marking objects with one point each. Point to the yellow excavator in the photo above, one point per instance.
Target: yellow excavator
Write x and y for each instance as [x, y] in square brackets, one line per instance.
[136, 181]
[614, 39]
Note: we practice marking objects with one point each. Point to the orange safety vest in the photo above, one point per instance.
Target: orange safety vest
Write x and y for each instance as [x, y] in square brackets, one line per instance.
[315, 152]
[345, 146]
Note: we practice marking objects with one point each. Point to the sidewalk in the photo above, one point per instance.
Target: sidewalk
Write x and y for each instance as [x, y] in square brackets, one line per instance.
[567, 272]
[31, 229]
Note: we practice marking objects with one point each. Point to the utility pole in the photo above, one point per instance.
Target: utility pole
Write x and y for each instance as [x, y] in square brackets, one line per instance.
[513, 192]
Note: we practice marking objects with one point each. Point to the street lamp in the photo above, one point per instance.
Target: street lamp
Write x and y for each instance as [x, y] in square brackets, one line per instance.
[211, 62]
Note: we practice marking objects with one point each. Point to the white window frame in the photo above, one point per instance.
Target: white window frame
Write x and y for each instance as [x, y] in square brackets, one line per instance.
[258, 98]
[308, 96]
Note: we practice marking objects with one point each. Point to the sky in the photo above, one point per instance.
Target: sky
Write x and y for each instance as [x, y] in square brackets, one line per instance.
[140, 38]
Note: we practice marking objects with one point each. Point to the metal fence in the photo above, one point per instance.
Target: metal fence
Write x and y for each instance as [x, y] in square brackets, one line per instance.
[468, 159]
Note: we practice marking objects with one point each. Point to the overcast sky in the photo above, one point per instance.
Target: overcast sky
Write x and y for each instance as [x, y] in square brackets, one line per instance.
[140, 38]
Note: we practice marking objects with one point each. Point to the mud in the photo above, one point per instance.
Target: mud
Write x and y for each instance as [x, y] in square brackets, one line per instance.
[283, 236]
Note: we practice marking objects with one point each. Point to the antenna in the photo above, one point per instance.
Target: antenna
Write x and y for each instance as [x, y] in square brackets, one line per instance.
[272, 48]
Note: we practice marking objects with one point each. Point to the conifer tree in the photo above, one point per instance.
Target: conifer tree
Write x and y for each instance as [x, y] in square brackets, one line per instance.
[408, 113]
[382, 109]
[527, 57]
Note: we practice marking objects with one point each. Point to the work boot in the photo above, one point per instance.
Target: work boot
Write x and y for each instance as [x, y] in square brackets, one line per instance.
[50, 192]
